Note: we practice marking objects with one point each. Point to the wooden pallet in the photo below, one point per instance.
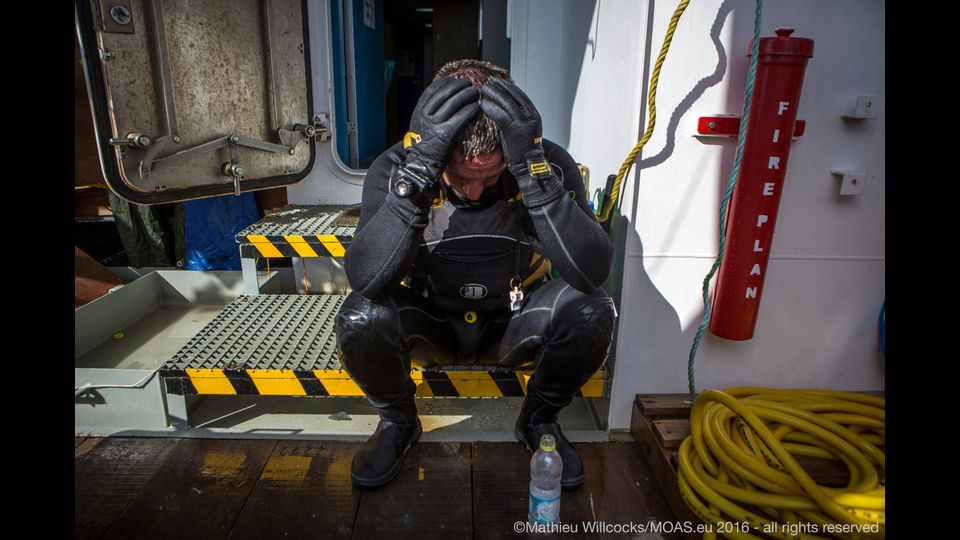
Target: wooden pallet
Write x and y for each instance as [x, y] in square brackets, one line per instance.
[660, 423]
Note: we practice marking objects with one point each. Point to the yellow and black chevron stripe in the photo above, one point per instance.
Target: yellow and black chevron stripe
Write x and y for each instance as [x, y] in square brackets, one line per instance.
[336, 382]
[276, 247]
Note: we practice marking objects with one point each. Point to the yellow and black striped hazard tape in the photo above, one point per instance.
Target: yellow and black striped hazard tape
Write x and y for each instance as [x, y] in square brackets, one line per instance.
[336, 382]
[276, 247]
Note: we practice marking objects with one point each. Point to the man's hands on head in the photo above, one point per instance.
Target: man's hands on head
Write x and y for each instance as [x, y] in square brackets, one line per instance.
[520, 126]
[521, 132]
[449, 104]
[445, 107]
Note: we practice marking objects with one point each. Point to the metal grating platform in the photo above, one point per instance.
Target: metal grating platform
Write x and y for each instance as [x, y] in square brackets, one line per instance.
[286, 345]
[283, 331]
[298, 220]
[301, 231]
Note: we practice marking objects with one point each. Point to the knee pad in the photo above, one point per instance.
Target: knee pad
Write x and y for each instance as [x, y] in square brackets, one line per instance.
[591, 319]
[363, 327]
[359, 315]
[596, 311]
[371, 349]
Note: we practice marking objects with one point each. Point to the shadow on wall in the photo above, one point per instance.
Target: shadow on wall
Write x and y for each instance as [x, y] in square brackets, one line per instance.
[653, 320]
[734, 102]
[654, 323]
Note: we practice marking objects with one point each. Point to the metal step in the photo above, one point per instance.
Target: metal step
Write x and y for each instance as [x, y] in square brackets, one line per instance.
[285, 345]
[301, 231]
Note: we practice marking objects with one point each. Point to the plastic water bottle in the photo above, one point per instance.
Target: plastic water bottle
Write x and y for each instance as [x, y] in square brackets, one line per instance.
[546, 469]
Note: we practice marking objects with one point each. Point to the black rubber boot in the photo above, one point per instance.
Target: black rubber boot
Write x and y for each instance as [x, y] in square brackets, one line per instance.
[538, 417]
[379, 460]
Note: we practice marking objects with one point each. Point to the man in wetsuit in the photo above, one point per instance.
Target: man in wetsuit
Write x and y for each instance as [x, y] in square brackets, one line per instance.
[459, 227]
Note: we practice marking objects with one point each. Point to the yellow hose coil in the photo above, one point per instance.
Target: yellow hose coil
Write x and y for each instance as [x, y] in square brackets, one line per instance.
[738, 467]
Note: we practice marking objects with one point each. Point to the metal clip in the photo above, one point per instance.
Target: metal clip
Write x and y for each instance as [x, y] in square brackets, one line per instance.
[134, 140]
[236, 171]
[516, 294]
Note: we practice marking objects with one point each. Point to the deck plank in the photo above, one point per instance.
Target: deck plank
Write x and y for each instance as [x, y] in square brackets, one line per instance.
[201, 488]
[501, 486]
[198, 492]
[671, 432]
[619, 488]
[663, 405]
[108, 474]
[303, 492]
[430, 498]
[578, 506]
[623, 488]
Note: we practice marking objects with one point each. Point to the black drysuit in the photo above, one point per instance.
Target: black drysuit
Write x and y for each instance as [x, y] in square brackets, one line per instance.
[460, 259]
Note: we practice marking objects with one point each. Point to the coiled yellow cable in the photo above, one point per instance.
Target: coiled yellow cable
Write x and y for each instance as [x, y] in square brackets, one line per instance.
[613, 196]
[738, 467]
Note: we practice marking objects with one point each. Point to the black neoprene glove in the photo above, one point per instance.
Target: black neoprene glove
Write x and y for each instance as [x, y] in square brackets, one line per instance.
[445, 107]
[521, 132]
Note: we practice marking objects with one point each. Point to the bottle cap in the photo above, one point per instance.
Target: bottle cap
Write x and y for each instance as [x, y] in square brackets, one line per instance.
[548, 443]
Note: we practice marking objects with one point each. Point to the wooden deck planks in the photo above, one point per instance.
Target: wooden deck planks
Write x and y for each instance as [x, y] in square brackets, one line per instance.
[622, 488]
[501, 483]
[663, 405]
[619, 489]
[208, 489]
[108, 474]
[671, 432]
[303, 492]
[430, 498]
[198, 492]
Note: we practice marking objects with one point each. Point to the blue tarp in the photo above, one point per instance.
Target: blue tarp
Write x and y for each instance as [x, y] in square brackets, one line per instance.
[210, 229]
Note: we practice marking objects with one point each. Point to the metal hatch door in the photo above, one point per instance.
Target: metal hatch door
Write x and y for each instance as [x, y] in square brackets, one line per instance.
[196, 99]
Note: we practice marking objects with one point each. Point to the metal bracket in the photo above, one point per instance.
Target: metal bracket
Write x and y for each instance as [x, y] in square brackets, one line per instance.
[235, 171]
[133, 140]
[729, 126]
[868, 106]
[322, 123]
[150, 162]
[851, 182]
[300, 133]
[238, 140]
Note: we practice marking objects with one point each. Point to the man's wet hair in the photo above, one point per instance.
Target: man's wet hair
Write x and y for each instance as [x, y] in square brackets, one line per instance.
[481, 135]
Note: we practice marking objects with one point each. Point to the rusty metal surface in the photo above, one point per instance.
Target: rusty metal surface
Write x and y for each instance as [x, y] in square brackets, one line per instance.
[216, 54]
